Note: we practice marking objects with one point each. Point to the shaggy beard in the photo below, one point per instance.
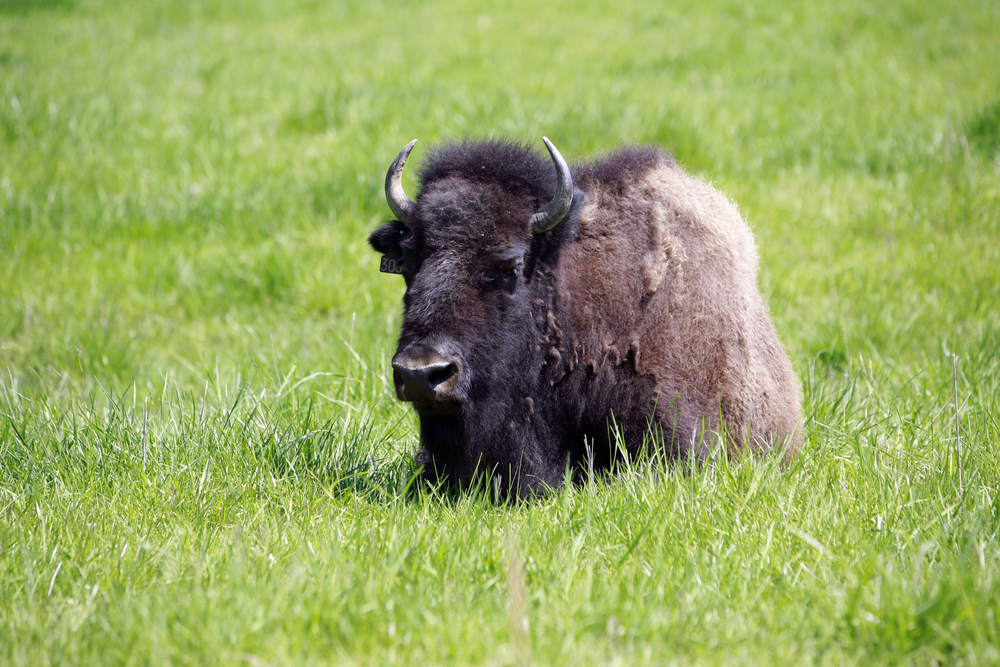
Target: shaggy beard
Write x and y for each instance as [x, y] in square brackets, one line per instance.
[495, 441]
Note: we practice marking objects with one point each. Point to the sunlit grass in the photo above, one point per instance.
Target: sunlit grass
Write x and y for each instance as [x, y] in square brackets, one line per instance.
[201, 460]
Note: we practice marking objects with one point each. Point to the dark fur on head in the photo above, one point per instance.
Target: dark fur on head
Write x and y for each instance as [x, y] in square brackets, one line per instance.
[522, 172]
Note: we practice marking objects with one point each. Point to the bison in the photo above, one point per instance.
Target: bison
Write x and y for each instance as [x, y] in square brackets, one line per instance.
[557, 319]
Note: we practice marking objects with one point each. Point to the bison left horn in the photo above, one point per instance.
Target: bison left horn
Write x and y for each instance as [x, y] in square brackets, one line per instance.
[557, 209]
[400, 205]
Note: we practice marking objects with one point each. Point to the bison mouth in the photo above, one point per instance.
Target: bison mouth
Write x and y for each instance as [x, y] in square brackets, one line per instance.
[449, 408]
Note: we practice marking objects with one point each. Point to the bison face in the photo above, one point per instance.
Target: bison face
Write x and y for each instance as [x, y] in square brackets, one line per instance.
[474, 245]
[467, 309]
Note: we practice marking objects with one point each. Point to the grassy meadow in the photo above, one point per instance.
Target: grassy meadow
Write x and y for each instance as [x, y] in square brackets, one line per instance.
[201, 458]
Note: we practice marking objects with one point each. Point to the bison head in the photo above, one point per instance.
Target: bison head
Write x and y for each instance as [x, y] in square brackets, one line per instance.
[476, 246]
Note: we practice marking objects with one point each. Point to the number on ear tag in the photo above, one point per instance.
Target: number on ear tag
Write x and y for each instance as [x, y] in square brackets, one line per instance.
[392, 264]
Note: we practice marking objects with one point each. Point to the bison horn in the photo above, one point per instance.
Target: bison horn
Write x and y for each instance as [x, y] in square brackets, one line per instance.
[401, 205]
[557, 209]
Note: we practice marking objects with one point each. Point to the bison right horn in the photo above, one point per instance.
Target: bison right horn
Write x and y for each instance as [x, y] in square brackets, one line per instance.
[557, 209]
[400, 205]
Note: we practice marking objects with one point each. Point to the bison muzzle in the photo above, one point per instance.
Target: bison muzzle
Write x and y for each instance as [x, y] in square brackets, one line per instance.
[557, 319]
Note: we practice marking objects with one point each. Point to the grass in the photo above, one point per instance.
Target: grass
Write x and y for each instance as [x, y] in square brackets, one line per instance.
[200, 458]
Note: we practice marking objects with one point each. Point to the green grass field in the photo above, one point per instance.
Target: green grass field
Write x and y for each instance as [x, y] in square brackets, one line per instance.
[201, 459]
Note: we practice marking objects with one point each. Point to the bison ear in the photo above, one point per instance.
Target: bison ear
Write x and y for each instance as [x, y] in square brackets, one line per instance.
[388, 235]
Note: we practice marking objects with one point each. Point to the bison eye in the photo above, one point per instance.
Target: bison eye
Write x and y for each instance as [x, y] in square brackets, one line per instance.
[510, 267]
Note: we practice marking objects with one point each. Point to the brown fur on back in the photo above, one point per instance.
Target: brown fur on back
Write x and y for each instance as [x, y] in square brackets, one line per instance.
[662, 275]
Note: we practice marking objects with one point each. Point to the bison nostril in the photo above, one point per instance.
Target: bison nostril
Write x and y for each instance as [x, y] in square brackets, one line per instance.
[442, 375]
[419, 373]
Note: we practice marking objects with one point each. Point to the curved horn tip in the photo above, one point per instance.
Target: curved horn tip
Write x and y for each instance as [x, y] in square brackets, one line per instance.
[557, 209]
[401, 205]
[403, 156]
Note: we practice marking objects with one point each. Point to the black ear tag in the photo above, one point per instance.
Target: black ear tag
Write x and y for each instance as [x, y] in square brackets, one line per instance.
[391, 263]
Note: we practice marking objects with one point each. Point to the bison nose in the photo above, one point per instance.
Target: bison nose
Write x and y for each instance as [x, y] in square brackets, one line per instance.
[422, 374]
